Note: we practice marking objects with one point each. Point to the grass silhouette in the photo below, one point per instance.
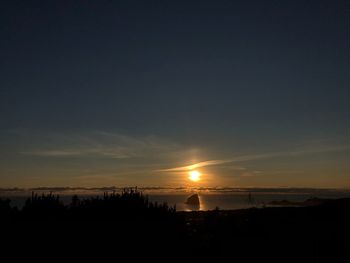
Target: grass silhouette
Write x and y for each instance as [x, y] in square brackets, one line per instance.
[130, 203]
[155, 231]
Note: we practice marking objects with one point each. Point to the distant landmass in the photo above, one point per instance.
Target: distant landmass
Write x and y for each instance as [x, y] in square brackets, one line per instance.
[309, 202]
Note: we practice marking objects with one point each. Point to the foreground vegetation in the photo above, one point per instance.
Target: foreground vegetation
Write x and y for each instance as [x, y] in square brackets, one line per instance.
[130, 203]
[129, 225]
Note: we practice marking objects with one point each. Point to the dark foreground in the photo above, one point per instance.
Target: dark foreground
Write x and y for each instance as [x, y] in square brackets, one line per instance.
[129, 228]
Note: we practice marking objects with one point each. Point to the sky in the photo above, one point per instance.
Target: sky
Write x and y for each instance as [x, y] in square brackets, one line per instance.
[248, 93]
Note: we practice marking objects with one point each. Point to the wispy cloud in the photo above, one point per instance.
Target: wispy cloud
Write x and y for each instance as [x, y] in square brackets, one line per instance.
[289, 153]
[111, 153]
[253, 157]
[103, 144]
[195, 166]
[53, 153]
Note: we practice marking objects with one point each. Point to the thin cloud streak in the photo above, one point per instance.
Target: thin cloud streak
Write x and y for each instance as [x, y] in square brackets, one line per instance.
[253, 158]
[53, 153]
[116, 153]
[103, 144]
[195, 166]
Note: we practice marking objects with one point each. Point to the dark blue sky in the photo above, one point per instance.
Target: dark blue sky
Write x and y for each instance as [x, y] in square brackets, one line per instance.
[170, 83]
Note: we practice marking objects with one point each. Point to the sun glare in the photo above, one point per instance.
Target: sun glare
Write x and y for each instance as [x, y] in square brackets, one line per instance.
[194, 176]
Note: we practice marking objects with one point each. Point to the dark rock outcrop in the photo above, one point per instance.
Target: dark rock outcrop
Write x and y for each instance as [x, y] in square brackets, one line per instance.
[193, 200]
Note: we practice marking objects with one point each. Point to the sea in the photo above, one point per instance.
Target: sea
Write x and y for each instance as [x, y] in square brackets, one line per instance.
[210, 198]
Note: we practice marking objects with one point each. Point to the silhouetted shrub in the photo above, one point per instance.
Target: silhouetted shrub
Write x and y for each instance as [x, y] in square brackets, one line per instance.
[43, 205]
[129, 204]
[5, 209]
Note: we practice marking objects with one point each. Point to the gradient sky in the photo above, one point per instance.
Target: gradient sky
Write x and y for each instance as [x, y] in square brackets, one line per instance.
[99, 93]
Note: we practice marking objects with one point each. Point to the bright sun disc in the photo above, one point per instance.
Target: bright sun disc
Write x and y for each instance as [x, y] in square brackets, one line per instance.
[195, 176]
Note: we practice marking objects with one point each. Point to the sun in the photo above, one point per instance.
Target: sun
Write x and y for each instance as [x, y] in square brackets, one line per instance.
[194, 176]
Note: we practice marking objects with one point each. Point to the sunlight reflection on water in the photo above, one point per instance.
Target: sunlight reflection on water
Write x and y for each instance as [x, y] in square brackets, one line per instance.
[235, 200]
